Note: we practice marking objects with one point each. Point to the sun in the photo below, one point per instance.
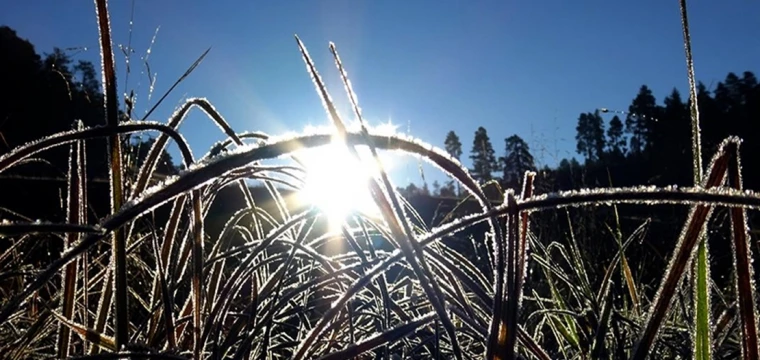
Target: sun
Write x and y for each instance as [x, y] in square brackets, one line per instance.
[338, 183]
[335, 181]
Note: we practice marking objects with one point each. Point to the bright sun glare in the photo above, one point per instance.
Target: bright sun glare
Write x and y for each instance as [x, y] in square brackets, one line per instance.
[338, 183]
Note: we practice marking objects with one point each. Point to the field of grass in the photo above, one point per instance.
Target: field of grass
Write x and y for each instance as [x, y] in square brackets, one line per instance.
[279, 282]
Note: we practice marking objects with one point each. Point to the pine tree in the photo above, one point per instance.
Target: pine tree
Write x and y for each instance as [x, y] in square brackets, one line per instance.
[453, 145]
[516, 161]
[482, 156]
[639, 121]
[454, 148]
[590, 136]
[615, 139]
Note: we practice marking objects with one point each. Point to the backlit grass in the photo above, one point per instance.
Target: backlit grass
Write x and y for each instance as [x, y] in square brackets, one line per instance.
[350, 269]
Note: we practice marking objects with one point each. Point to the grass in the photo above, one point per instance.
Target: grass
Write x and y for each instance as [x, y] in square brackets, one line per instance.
[269, 286]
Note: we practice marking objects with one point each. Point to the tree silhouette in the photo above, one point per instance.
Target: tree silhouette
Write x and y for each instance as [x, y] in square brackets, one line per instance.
[454, 147]
[615, 139]
[483, 157]
[641, 114]
[590, 136]
[671, 142]
[516, 161]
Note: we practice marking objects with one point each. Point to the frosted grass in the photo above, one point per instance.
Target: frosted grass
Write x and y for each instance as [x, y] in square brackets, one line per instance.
[577, 198]
[277, 294]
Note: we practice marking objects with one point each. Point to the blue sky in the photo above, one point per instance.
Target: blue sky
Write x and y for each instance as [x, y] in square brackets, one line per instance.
[514, 67]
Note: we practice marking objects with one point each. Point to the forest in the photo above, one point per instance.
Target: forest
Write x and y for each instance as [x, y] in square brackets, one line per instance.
[649, 143]
[208, 272]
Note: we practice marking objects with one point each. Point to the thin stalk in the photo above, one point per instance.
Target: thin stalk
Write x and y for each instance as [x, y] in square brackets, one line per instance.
[703, 333]
[745, 289]
[119, 240]
[70, 274]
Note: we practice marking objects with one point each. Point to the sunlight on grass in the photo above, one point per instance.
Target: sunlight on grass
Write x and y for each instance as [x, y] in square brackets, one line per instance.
[263, 279]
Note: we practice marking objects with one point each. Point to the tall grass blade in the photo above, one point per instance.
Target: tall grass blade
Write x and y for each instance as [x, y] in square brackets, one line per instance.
[691, 233]
[83, 202]
[520, 251]
[696, 143]
[104, 306]
[119, 240]
[166, 296]
[163, 260]
[745, 287]
[702, 336]
[507, 315]
[703, 332]
[74, 213]
[389, 192]
[197, 258]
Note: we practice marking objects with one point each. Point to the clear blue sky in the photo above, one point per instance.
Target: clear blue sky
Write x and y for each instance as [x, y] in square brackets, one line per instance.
[515, 67]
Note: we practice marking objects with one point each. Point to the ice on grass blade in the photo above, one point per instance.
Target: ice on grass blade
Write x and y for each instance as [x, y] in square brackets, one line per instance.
[641, 195]
[702, 336]
[197, 273]
[687, 248]
[19, 154]
[151, 160]
[95, 337]
[742, 260]
[115, 172]
[9, 228]
[221, 147]
[73, 216]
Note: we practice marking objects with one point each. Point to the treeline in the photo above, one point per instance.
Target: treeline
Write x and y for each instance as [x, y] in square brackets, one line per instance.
[649, 144]
[509, 168]
[652, 144]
